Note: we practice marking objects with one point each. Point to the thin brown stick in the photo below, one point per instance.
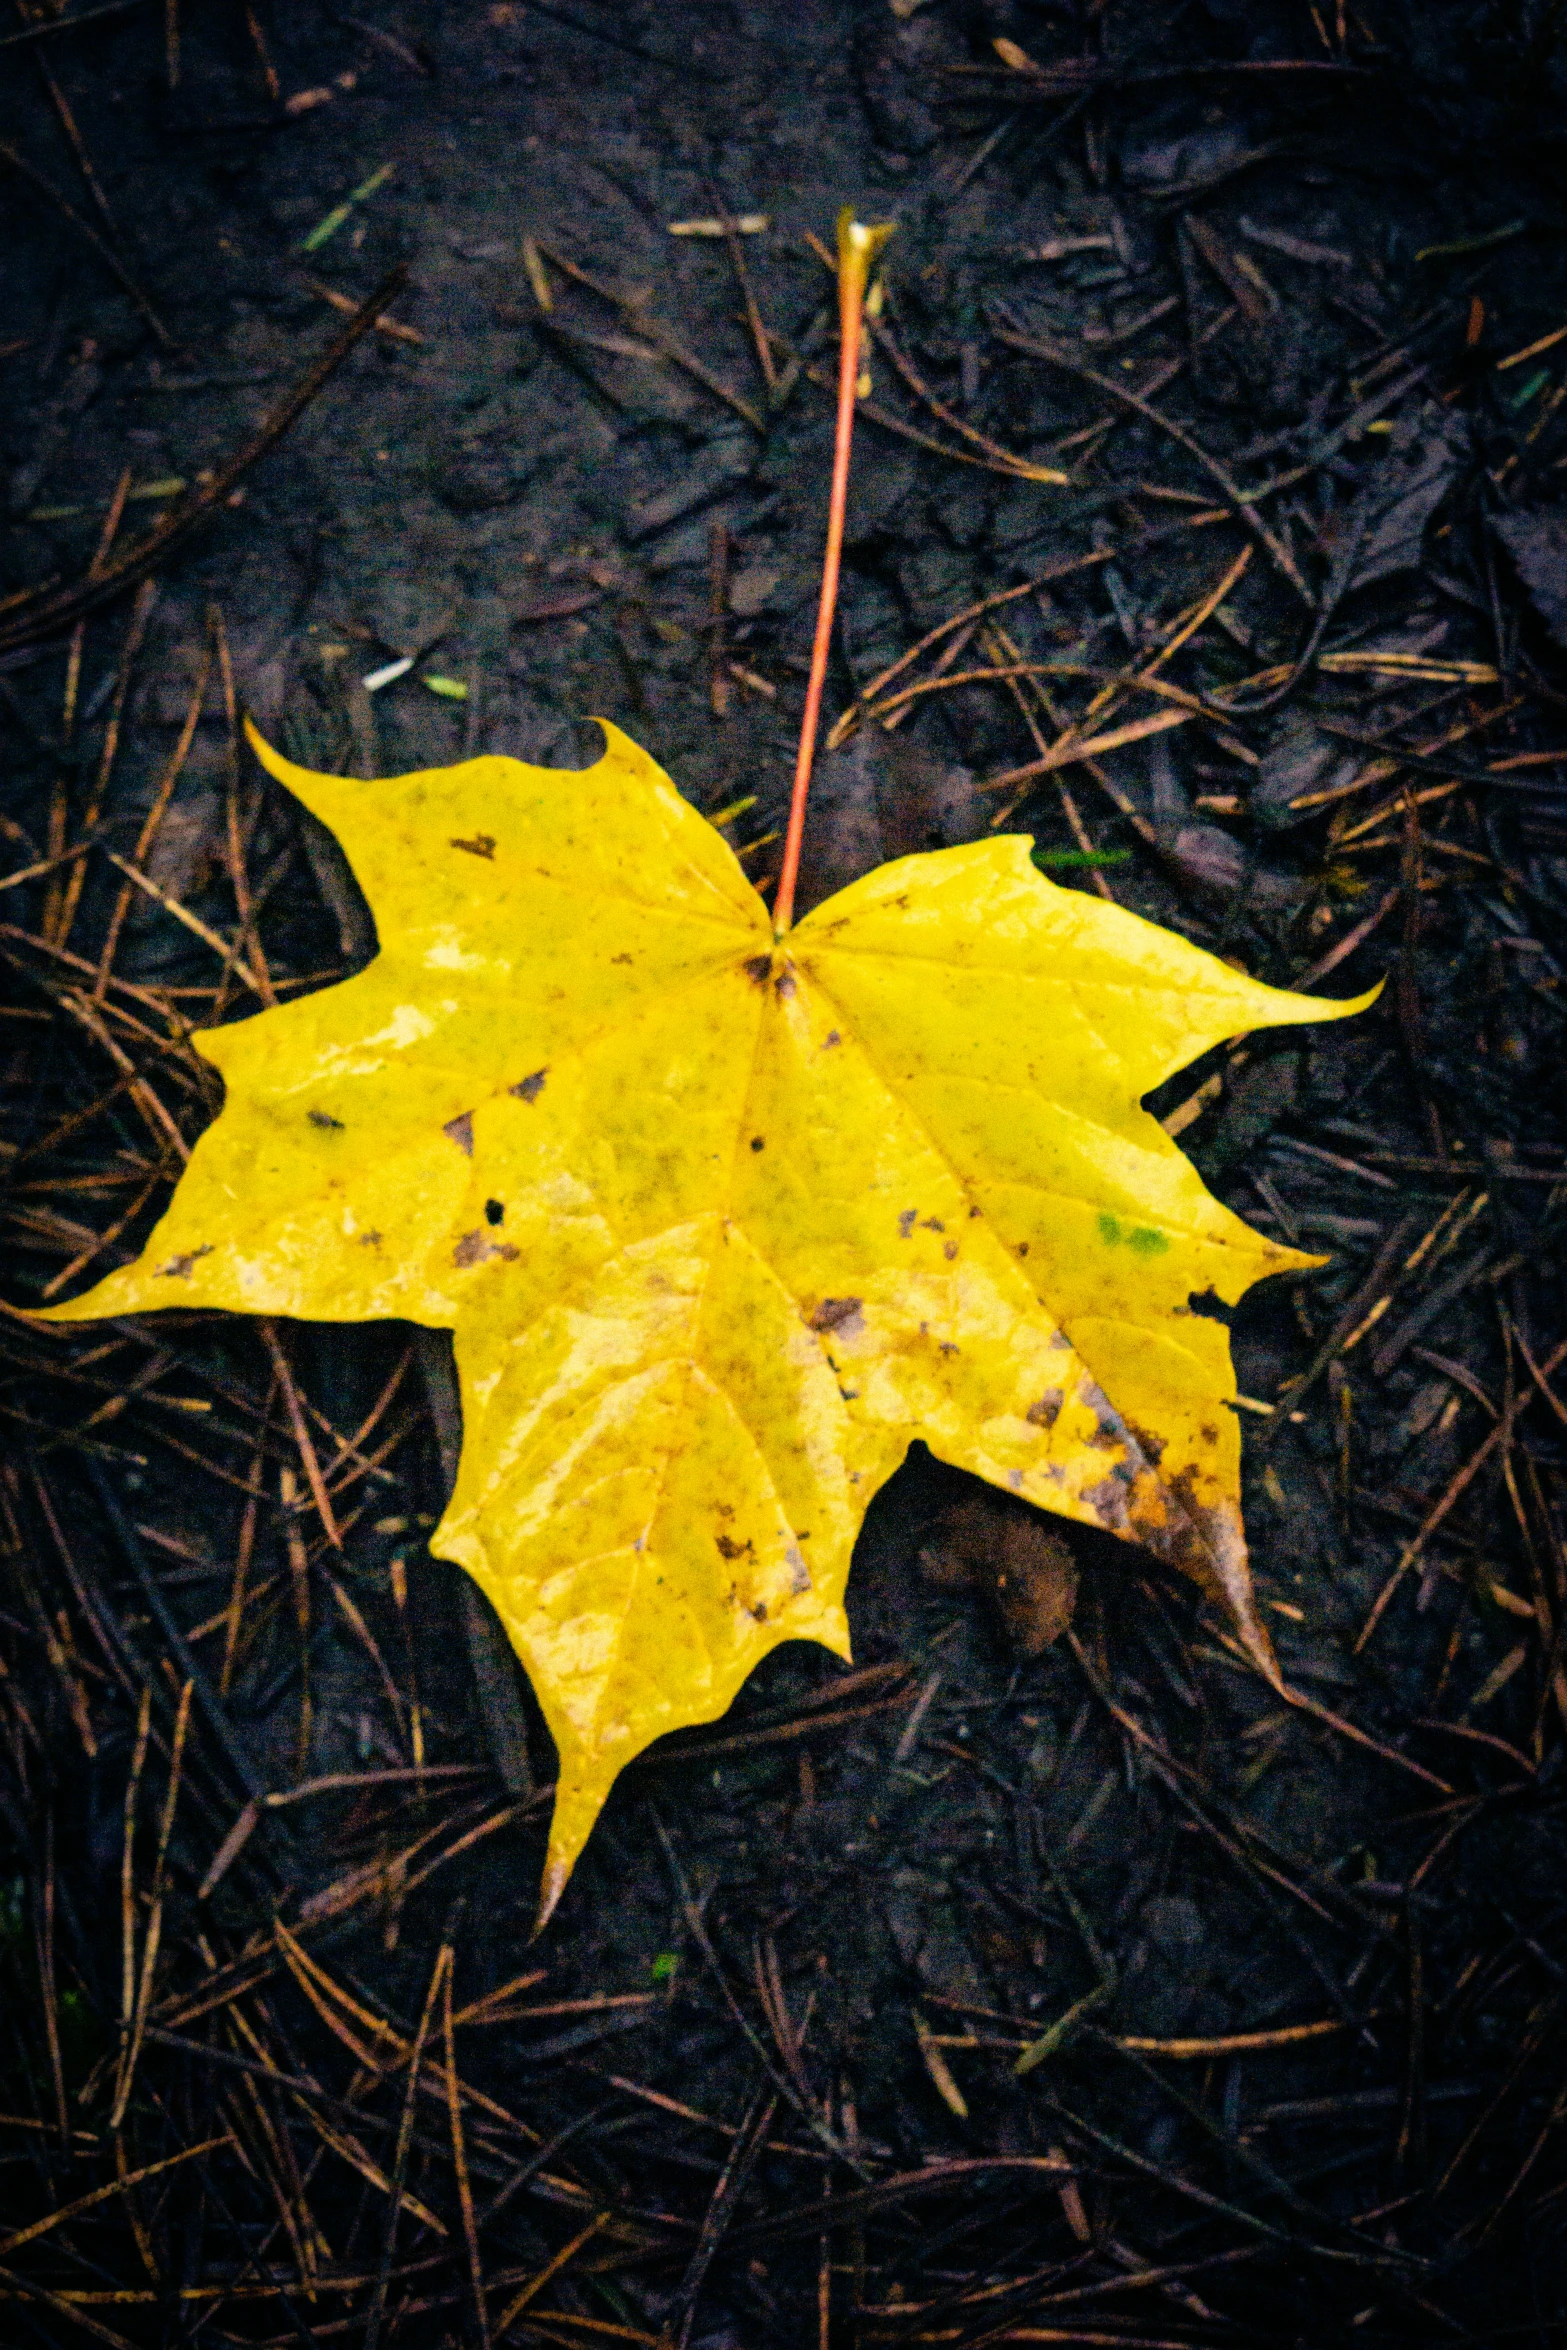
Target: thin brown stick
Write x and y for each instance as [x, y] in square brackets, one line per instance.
[296, 1420]
[133, 2213]
[371, 1647]
[84, 229]
[1278, 554]
[46, 1981]
[274, 87]
[153, 819]
[141, 613]
[299, 1579]
[59, 798]
[1185, 629]
[847, 719]
[552, 2268]
[1006, 460]
[899, 426]
[666, 340]
[951, 651]
[148, 2170]
[48, 611]
[149, 1955]
[233, 839]
[227, 953]
[155, 1115]
[1074, 750]
[950, 681]
[748, 2142]
[1239, 2043]
[1358, 1737]
[43, 865]
[1538, 1372]
[1072, 745]
[753, 316]
[74, 140]
[327, 1997]
[460, 2165]
[718, 684]
[1069, 808]
[1346, 946]
[84, 1257]
[348, 1447]
[245, 1547]
[405, 2128]
[106, 1646]
[113, 516]
[128, 1869]
[56, 1650]
[1459, 1484]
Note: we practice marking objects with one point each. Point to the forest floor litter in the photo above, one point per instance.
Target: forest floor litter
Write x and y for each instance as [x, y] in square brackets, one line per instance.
[423, 386]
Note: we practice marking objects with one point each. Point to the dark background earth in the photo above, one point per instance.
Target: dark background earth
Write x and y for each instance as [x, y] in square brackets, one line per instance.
[769, 2060]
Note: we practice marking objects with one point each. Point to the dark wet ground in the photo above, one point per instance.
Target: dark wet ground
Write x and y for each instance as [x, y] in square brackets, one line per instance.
[833, 1924]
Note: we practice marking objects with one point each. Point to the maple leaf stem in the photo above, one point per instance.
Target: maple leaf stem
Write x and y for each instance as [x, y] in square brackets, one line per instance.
[858, 248]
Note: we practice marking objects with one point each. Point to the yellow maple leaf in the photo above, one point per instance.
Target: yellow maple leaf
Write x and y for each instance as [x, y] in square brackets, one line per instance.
[722, 1222]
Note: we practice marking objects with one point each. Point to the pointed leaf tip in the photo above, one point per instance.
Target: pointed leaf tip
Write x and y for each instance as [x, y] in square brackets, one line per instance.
[557, 1875]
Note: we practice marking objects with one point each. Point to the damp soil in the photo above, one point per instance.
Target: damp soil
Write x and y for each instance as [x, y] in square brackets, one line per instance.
[1013, 1984]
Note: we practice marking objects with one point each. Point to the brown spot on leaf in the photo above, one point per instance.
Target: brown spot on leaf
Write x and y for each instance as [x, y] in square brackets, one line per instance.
[1150, 1446]
[906, 1222]
[836, 1313]
[831, 1038]
[476, 1248]
[530, 1088]
[735, 1550]
[325, 1119]
[758, 1142]
[760, 968]
[481, 845]
[949, 1249]
[178, 1268]
[460, 1129]
[932, 1224]
[785, 984]
[1203, 1538]
[1046, 1412]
